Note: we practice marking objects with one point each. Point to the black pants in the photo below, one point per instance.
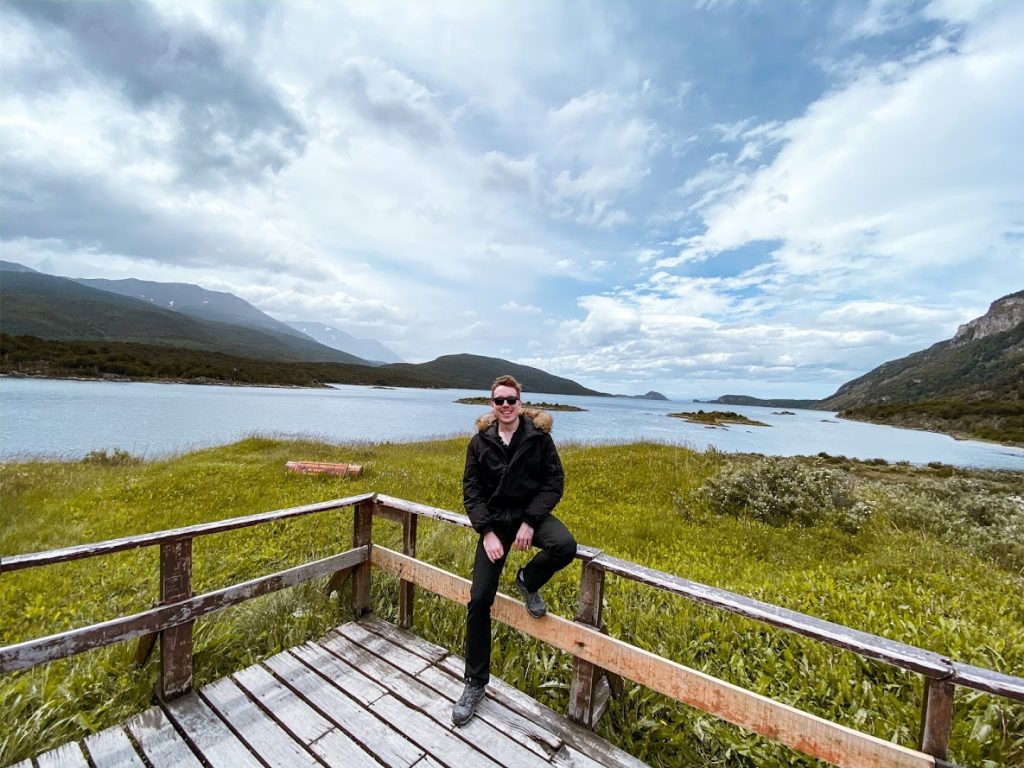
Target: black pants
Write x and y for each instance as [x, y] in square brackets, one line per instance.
[557, 549]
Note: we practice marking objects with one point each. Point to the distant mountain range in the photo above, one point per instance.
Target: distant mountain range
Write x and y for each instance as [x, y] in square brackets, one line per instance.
[36, 304]
[970, 385]
[368, 349]
[138, 329]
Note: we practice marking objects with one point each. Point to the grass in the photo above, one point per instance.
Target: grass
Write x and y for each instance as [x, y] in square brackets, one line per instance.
[902, 577]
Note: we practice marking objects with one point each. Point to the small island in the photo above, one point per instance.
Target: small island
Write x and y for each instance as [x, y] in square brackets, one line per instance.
[541, 406]
[718, 418]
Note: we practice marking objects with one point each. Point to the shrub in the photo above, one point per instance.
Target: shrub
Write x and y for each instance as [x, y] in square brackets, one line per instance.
[117, 457]
[778, 491]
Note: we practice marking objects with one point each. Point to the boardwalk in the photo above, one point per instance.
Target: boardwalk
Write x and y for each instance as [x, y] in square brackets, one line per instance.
[367, 694]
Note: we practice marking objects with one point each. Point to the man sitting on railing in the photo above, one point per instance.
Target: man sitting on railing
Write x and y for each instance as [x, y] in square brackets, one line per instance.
[512, 481]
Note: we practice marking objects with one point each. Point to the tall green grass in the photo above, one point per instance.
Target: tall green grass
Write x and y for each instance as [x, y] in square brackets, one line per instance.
[916, 583]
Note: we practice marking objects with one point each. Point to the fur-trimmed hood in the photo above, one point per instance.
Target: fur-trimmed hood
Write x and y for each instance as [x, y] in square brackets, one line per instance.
[541, 419]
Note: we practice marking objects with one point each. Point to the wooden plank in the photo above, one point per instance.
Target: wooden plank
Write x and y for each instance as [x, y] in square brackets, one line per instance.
[585, 675]
[113, 749]
[479, 732]
[575, 735]
[936, 717]
[160, 743]
[175, 642]
[68, 755]
[59, 646]
[529, 732]
[800, 730]
[407, 640]
[213, 739]
[264, 737]
[33, 559]
[444, 746]
[987, 680]
[408, 662]
[407, 590]
[389, 746]
[569, 757]
[362, 536]
[323, 738]
[863, 643]
[365, 687]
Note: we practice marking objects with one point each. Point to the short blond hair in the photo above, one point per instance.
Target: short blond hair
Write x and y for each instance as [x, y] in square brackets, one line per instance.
[507, 381]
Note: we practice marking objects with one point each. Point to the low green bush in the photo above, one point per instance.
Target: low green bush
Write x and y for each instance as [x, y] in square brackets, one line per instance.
[778, 491]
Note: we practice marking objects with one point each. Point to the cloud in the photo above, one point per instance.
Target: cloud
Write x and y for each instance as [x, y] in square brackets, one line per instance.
[228, 123]
[526, 309]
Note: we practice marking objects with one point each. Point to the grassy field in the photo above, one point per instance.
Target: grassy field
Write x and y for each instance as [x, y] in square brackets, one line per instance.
[930, 556]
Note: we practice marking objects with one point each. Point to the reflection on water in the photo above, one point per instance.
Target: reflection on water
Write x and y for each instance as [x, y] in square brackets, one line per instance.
[70, 418]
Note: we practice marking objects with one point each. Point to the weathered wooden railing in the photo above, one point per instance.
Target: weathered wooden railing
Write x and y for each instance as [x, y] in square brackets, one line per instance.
[599, 660]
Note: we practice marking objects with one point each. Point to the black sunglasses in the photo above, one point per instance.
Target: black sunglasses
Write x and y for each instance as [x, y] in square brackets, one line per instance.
[503, 400]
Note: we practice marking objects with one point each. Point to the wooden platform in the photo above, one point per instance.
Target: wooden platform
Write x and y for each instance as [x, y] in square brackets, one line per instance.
[367, 694]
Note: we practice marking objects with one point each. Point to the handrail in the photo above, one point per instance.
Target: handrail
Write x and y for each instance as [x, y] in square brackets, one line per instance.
[33, 559]
[595, 659]
[891, 652]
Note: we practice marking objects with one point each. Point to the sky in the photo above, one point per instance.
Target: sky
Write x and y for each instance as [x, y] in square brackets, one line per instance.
[760, 198]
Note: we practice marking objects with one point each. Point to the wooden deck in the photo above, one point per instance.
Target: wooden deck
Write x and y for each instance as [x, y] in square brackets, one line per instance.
[367, 694]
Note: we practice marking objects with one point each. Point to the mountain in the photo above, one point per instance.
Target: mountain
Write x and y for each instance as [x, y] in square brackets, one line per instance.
[971, 385]
[195, 301]
[983, 361]
[10, 266]
[36, 304]
[368, 349]
[769, 403]
[477, 372]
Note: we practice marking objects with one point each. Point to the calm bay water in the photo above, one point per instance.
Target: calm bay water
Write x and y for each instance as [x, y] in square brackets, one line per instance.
[67, 419]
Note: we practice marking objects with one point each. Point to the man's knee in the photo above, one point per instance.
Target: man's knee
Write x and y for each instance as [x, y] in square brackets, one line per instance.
[564, 549]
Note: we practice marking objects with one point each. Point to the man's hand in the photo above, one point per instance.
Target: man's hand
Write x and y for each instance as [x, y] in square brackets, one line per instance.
[492, 547]
[524, 538]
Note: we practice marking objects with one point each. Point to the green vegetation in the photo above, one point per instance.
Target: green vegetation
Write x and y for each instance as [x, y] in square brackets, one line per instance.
[486, 401]
[932, 557]
[1001, 421]
[717, 418]
[31, 356]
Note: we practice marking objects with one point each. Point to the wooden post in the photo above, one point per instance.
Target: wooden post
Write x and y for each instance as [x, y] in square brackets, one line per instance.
[362, 535]
[406, 589]
[936, 717]
[176, 642]
[584, 674]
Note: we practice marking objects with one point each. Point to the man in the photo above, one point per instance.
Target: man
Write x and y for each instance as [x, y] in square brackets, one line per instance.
[512, 481]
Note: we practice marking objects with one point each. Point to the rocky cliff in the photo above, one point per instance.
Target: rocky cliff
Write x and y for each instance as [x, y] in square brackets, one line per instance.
[1003, 314]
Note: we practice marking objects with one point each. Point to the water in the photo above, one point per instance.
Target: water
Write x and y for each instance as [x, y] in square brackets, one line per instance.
[67, 419]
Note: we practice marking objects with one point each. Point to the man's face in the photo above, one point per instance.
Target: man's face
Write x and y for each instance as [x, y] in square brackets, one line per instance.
[506, 411]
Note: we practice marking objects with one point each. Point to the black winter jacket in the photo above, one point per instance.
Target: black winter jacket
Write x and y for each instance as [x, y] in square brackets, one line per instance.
[497, 491]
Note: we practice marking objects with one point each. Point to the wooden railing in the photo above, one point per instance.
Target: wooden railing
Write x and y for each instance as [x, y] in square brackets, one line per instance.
[599, 660]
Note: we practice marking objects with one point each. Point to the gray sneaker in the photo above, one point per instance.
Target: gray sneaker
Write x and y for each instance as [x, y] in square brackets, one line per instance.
[534, 602]
[472, 695]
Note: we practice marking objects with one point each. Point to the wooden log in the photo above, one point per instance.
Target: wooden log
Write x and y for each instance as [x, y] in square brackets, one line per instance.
[34, 652]
[176, 641]
[33, 559]
[780, 722]
[325, 468]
